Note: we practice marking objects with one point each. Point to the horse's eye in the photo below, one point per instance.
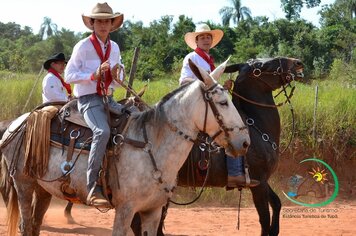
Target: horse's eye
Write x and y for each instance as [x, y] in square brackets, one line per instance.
[223, 103]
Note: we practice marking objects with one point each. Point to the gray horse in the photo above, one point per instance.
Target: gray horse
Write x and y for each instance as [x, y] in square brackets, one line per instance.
[141, 177]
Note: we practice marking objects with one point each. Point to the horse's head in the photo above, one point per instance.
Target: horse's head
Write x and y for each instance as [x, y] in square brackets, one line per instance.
[273, 73]
[217, 116]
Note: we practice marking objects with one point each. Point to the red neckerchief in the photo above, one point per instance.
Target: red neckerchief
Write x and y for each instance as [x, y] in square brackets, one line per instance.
[209, 59]
[67, 86]
[107, 79]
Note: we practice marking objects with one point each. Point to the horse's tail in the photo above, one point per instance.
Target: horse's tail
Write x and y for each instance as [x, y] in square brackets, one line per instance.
[12, 213]
[4, 183]
[10, 198]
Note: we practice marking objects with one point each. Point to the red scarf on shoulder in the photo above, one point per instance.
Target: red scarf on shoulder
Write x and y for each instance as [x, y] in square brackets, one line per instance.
[67, 86]
[107, 77]
[209, 59]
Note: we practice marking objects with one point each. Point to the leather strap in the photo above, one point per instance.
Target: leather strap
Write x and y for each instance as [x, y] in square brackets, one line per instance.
[70, 151]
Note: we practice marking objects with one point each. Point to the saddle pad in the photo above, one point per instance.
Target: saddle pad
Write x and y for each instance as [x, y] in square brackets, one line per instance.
[71, 113]
[18, 122]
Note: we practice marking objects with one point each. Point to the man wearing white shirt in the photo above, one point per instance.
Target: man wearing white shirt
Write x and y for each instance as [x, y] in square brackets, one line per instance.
[94, 66]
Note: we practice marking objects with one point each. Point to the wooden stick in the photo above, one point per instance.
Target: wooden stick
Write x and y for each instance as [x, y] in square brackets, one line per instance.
[133, 70]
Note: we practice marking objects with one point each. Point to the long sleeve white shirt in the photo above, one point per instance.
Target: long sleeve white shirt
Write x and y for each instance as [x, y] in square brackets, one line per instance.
[53, 90]
[83, 63]
[186, 72]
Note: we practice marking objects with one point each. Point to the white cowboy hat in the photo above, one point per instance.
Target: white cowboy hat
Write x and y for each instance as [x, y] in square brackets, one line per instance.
[190, 37]
[103, 11]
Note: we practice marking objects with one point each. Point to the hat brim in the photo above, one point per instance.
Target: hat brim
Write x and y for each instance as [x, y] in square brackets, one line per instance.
[117, 22]
[190, 37]
[47, 64]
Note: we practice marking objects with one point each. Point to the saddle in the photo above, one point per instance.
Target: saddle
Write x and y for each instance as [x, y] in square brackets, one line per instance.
[69, 130]
[70, 123]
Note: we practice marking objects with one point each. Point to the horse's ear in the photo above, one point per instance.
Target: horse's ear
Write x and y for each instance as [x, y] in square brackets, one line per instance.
[242, 68]
[195, 70]
[142, 91]
[201, 74]
[216, 74]
[233, 68]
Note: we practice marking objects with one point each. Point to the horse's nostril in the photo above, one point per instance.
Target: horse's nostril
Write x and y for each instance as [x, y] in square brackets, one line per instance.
[245, 144]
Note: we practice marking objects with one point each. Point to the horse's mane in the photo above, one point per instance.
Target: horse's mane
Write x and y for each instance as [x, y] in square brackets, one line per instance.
[157, 113]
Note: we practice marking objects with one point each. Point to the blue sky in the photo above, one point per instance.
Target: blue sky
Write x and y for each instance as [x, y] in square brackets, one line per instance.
[67, 13]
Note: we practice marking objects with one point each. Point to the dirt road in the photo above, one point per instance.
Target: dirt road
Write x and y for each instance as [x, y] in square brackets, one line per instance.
[337, 219]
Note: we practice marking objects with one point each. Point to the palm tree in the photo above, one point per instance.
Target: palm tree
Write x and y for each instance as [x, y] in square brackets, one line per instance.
[48, 28]
[236, 13]
[350, 5]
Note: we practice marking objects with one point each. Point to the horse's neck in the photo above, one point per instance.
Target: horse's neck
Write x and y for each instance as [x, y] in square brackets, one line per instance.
[266, 118]
[170, 149]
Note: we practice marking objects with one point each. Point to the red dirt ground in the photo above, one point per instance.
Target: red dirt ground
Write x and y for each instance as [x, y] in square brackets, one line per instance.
[334, 219]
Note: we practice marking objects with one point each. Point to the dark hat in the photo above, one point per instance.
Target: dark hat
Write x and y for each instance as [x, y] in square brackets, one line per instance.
[56, 57]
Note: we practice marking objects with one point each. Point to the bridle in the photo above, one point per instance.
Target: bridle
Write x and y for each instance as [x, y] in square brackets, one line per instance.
[207, 95]
[286, 77]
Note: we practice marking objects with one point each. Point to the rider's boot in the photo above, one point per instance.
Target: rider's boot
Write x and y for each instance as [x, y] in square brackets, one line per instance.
[96, 198]
[237, 178]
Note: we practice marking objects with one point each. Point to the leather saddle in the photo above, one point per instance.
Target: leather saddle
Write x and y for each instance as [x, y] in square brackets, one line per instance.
[69, 123]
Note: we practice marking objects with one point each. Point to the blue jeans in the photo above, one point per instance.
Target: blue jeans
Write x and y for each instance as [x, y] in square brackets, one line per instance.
[93, 110]
[235, 166]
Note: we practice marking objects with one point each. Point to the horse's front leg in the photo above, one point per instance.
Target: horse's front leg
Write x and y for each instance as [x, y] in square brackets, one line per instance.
[260, 199]
[123, 217]
[150, 221]
[276, 205]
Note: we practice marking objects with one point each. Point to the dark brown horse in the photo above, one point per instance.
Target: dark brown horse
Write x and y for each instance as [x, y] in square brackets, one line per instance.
[253, 98]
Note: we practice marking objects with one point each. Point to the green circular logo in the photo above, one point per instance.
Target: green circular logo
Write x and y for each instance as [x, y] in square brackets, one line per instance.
[318, 175]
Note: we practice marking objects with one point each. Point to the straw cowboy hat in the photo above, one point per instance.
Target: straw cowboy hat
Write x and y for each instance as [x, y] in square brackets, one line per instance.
[103, 11]
[190, 37]
[56, 57]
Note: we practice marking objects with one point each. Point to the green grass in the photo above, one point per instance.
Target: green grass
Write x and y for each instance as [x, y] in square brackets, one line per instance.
[335, 112]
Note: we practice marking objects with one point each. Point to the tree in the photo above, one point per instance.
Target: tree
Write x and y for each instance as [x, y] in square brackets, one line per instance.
[13, 31]
[338, 33]
[292, 8]
[48, 28]
[350, 7]
[236, 13]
